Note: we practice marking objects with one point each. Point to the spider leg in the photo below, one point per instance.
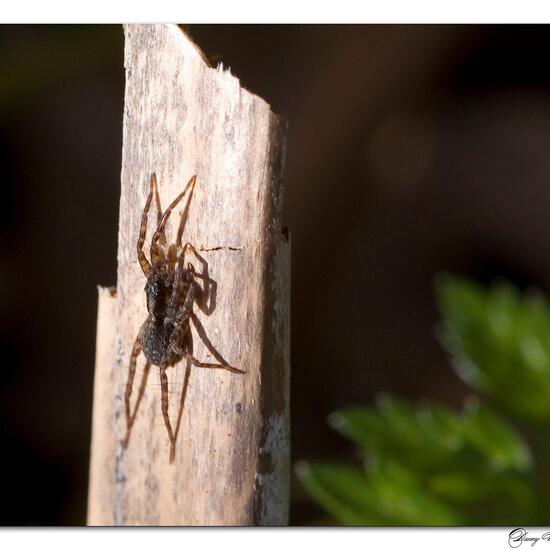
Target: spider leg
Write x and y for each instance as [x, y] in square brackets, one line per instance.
[155, 254]
[164, 401]
[196, 363]
[143, 262]
[177, 284]
[207, 296]
[159, 211]
[173, 433]
[181, 320]
[189, 345]
[182, 316]
[184, 216]
[136, 350]
[131, 417]
[206, 341]
[178, 335]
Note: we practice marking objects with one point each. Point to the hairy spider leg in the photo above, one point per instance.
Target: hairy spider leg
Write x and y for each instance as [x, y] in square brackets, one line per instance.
[178, 284]
[136, 350]
[173, 434]
[182, 316]
[181, 321]
[156, 257]
[188, 345]
[141, 391]
[184, 216]
[206, 341]
[164, 400]
[143, 262]
[178, 334]
[130, 418]
[196, 363]
[159, 210]
[205, 294]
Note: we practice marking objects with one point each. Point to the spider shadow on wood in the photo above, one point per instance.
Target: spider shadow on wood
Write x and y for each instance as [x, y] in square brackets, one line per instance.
[171, 290]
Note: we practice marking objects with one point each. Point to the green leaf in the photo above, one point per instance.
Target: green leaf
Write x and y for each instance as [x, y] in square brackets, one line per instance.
[388, 495]
[398, 431]
[490, 498]
[362, 425]
[442, 425]
[343, 492]
[500, 342]
[496, 439]
[459, 486]
[430, 465]
[403, 498]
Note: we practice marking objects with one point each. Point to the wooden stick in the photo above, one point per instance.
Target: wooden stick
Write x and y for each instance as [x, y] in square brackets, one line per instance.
[183, 118]
[104, 443]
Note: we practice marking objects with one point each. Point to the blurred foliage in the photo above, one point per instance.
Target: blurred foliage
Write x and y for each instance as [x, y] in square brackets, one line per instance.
[430, 465]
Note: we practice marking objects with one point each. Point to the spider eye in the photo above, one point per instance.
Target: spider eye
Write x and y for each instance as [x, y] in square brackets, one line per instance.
[152, 287]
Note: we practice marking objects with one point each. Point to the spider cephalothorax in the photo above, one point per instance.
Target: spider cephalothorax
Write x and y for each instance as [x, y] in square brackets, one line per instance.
[158, 290]
[171, 291]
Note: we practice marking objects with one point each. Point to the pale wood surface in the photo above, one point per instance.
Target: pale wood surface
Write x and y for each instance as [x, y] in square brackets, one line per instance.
[104, 442]
[183, 118]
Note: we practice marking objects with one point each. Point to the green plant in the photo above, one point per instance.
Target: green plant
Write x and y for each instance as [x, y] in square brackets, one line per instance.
[430, 465]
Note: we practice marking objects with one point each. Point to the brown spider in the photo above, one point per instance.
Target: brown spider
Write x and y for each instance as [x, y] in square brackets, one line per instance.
[164, 336]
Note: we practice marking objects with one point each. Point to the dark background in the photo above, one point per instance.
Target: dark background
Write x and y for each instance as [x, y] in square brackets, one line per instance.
[411, 150]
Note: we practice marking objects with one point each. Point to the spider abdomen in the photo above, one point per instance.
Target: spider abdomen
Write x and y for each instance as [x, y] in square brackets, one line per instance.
[156, 339]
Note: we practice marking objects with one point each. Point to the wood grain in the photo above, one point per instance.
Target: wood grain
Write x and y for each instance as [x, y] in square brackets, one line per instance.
[104, 442]
[182, 118]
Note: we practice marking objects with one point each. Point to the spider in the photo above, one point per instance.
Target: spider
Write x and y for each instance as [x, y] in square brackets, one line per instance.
[164, 337]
